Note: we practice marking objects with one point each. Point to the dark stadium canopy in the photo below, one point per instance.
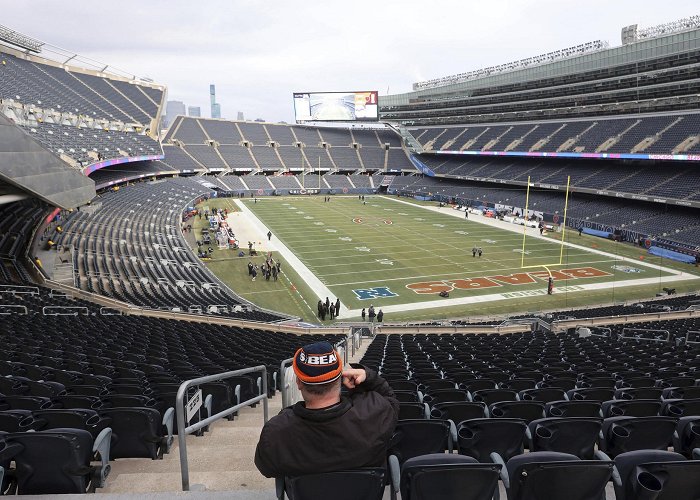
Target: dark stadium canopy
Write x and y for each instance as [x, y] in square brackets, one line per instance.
[27, 168]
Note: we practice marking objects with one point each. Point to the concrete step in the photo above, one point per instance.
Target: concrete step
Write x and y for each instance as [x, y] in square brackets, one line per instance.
[172, 481]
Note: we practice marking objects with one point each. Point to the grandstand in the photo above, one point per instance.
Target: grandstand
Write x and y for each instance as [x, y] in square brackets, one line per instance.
[108, 304]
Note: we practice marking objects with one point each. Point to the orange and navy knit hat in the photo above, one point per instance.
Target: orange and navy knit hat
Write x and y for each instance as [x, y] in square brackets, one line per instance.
[317, 364]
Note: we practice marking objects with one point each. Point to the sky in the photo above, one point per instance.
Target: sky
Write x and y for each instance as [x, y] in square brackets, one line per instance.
[258, 53]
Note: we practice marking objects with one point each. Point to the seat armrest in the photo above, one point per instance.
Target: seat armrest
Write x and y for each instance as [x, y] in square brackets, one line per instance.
[101, 445]
[426, 410]
[601, 455]
[279, 488]
[237, 393]
[453, 435]
[394, 475]
[616, 478]
[168, 418]
[498, 459]
[259, 383]
[207, 404]
[528, 436]
[696, 454]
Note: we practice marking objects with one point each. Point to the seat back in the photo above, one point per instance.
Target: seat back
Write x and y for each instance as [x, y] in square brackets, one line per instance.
[136, 432]
[539, 475]
[16, 421]
[631, 486]
[524, 410]
[420, 437]
[622, 434]
[458, 411]
[53, 462]
[681, 407]
[445, 396]
[572, 409]
[590, 394]
[344, 485]
[409, 411]
[673, 480]
[543, 395]
[448, 477]
[480, 437]
[639, 393]
[63, 418]
[687, 436]
[490, 396]
[574, 435]
[631, 408]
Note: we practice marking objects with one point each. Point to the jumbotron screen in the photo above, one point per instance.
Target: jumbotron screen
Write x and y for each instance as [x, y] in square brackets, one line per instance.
[336, 106]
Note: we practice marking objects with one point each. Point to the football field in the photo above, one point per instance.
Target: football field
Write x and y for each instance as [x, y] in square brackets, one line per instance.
[399, 256]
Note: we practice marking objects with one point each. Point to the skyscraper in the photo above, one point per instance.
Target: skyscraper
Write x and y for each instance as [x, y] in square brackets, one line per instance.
[194, 111]
[173, 109]
[215, 107]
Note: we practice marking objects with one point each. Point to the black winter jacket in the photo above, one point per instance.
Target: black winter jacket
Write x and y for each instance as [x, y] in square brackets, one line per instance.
[353, 433]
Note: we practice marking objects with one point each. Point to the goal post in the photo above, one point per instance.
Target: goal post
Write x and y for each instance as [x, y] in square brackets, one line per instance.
[563, 230]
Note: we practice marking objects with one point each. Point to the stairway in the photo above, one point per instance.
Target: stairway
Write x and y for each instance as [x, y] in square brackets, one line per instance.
[221, 460]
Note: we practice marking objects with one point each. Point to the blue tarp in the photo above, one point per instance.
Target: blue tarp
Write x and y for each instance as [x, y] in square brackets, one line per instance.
[670, 254]
[595, 232]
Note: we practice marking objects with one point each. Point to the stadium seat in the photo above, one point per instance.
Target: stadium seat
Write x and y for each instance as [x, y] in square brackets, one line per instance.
[545, 474]
[139, 432]
[448, 477]
[622, 434]
[57, 461]
[346, 485]
[661, 475]
[686, 438]
[631, 408]
[480, 437]
[524, 410]
[421, 437]
[574, 435]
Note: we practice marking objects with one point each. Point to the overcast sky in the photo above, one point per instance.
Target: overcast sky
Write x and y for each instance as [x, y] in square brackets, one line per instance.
[258, 53]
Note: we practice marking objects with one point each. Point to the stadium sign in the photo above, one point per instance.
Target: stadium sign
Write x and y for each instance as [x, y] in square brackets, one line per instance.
[431, 287]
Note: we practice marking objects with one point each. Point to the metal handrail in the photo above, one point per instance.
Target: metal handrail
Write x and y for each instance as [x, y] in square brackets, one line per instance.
[644, 330]
[283, 382]
[9, 307]
[183, 430]
[687, 337]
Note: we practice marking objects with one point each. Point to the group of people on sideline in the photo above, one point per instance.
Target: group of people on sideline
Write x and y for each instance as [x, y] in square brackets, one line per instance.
[328, 308]
[372, 314]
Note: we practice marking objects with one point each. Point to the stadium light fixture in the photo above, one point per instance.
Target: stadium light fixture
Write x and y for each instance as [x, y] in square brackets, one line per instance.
[17, 39]
[512, 66]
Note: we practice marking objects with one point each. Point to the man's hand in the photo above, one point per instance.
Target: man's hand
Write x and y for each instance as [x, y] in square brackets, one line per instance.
[352, 377]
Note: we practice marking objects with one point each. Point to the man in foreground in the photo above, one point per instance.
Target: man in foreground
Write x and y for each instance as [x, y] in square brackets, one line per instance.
[328, 432]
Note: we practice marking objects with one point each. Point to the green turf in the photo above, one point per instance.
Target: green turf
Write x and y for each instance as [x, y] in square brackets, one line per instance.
[350, 246]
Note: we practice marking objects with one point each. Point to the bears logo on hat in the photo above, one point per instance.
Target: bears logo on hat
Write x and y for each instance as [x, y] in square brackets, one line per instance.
[317, 363]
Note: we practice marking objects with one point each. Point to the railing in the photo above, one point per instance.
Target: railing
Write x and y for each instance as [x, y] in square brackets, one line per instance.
[65, 311]
[6, 309]
[637, 334]
[288, 390]
[183, 430]
[19, 289]
[595, 331]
